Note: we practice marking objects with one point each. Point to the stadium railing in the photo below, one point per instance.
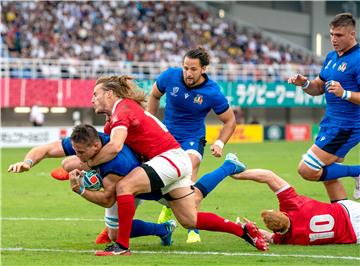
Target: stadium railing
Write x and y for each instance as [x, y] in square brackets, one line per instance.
[73, 68]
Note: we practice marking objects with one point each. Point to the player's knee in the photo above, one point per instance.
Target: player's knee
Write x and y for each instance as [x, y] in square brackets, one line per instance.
[187, 222]
[67, 165]
[122, 187]
[306, 173]
[310, 167]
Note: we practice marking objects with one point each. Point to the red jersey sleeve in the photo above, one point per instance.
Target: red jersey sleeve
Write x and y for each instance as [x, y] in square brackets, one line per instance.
[123, 116]
[289, 200]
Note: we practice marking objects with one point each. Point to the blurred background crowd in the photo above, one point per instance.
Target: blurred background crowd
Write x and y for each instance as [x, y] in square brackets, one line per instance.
[134, 31]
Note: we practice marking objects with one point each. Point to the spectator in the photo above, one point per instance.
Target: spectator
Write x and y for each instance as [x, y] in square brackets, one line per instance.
[132, 31]
[36, 116]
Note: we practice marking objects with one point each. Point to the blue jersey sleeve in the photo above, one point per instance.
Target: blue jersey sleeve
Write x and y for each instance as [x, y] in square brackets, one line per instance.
[162, 80]
[220, 103]
[68, 149]
[125, 161]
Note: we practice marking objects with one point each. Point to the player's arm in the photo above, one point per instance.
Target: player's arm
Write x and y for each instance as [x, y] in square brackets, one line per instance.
[312, 87]
[112, 148]
[268, 177]
[228, 119]
[154, 100]
[105, 198]
[36, 154]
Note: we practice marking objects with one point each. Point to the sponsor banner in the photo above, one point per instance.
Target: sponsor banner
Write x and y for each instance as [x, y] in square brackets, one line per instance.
[274, 132]
[297, 132]
[314, 131]
[77, 93]
[12, 137]
[268, 94]
[242, 133]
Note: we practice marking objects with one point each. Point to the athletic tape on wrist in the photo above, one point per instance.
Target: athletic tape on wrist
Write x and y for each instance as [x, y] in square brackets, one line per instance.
[81, 190]
[29, 162]
[346, 95]
[219, 143]
[306, 85]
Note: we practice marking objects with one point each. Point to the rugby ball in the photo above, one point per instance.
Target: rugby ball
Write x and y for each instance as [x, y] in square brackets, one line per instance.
[91, 180]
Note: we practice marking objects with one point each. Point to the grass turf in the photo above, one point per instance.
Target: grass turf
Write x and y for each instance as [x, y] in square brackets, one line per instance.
[53, 241]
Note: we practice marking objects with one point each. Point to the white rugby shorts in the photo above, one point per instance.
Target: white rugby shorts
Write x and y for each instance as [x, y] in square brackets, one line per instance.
[353, 208]
[174, 168]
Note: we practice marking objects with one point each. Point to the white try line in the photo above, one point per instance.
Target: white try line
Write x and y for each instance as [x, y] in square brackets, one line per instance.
[49, 219]
[174, 252]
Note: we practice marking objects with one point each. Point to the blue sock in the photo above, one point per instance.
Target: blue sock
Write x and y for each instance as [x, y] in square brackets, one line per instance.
[336, 170]
[209, 181]
[195, 230]
[141, 228]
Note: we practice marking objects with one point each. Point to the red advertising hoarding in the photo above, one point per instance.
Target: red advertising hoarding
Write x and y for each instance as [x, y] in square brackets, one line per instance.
[297, 132]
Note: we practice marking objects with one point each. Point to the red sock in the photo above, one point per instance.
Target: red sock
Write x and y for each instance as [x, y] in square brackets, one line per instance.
[211, 222]
[126, 212]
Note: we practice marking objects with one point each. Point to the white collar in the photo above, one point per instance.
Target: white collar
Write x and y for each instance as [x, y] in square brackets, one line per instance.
[115, 105]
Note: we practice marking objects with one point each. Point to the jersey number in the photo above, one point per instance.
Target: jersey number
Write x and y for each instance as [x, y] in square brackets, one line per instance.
[157, 121]
[321, 225]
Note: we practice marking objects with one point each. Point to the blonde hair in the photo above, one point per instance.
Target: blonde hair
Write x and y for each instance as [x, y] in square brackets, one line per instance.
[276, 221]
[123, 87]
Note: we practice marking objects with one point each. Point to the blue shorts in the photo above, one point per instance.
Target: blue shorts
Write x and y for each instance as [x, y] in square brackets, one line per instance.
[194, 146]
[336, 140]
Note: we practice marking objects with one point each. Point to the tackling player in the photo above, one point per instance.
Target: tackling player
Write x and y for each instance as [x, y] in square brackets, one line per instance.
[168, 167]
[190, 96]
[302, 220]
[339, 132]
[87, 142]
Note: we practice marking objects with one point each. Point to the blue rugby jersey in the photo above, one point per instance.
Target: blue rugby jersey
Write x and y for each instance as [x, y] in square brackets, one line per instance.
[125, 161]
[121, 165]
[187, 108]
[346, 70]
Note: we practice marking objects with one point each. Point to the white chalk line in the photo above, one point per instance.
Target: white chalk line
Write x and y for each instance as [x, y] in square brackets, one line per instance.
[155, 252]
[174, 252]
[49, 219]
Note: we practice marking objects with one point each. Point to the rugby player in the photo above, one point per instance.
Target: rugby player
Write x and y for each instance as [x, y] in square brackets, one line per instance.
[190, 96]
[339, 80]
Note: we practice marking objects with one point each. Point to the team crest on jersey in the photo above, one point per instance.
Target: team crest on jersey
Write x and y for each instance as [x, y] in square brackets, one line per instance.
[174, 91]
[198, 99]
[342, 67]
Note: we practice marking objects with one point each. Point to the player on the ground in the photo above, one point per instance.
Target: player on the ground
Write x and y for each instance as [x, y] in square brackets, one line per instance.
[168, 167]
[339, 132]
[190, 96]
[302, 220]
[125, 161]
[83, 138]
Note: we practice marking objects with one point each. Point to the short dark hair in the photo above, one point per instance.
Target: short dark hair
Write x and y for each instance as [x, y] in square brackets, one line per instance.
[84, 133]
[199, 53]
[343, 20]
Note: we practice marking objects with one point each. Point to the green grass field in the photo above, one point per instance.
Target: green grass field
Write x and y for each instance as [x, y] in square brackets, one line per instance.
[44, 223]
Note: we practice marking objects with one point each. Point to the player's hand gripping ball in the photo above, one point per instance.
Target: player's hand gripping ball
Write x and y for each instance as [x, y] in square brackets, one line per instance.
[91, 180]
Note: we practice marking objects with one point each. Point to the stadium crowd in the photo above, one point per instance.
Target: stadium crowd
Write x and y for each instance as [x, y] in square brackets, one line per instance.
[133, 31]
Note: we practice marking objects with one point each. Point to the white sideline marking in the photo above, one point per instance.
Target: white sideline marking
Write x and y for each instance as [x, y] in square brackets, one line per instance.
[154, 252]
[188, 253]
[48, 219]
